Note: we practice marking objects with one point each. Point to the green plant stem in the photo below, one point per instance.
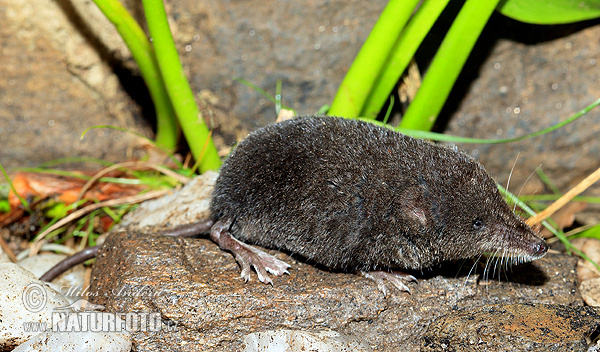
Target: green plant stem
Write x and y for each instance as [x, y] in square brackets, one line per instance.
[403, 51]
[447, 64]
[367, 65]
[167, 129]
[457, 139]
[553, 197]
[195, 130]
[275, 100]
[547, 181]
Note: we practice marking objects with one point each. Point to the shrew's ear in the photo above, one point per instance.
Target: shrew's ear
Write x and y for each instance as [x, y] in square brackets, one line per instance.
[416, 205]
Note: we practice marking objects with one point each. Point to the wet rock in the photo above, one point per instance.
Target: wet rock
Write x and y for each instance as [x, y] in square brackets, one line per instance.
[59, 81]
[522, 85]
[187, 205]
[514, 327]
[590, 291]
[25, 302]
[196, 288]
[66, 283]
[78, 341]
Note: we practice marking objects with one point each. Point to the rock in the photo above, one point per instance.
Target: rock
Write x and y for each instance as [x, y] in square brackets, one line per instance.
[68, 284]
[31, 314]
[24, 300]
[590, 291]
[59, 79]
[531, 78]
[514, 327]
[77, 341]
[519, 79]
[300, 341]
[4, 257]
[184, 206]
[69, 48]
[39, 264]
[196, 287]
[591, 248]
[308, 46]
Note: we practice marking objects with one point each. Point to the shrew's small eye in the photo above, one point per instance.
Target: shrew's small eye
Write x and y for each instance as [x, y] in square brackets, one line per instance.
[478, 224]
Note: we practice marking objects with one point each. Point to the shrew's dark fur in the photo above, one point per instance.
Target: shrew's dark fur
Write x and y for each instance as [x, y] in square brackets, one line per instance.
[353, 195]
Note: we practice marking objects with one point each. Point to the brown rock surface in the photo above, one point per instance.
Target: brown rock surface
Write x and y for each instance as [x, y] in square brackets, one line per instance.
[533, 77]
[58, 59]
[57, 84]
[514, 327]
[198, 292]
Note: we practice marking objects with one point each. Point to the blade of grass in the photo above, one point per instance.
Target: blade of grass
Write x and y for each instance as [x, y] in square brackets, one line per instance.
[388, 113]
[4, 206]
[553, 197]
[278, 97]
[108, 211]
[167, 129]
[403, 51]
[262, 92]
[457, 139]
[53, 172]
[362, 75]
[12, 187]
[592, 231]
[118, 129]
[550, 11]
[546, 180]
[447, 64]
[195, 130]
[323, 110]
[88, 233]
[139, 179]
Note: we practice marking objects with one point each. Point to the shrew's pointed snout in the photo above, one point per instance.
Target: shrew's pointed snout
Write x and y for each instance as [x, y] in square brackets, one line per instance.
[522, 243]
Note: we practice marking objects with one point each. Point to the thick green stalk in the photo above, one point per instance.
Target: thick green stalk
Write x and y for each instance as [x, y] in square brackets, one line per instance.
[404, 49]
[447, 64]
[367, 65]
[167, 131]
[195, 130]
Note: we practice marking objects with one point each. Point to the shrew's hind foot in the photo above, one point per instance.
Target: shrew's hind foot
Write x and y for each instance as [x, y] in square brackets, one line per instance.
[248, 257]
[396, 278]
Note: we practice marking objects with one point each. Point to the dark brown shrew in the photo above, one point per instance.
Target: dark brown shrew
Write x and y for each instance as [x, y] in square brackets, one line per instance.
[351, 195]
